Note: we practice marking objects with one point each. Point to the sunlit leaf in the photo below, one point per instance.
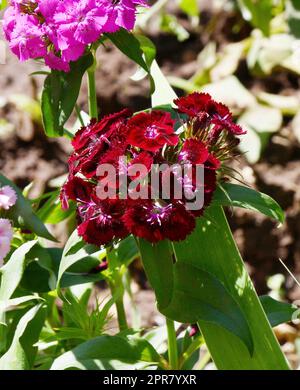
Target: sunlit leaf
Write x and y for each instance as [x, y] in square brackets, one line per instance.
[229, 194]
[237, 101]
[23, 215]
[170, 24]
[190, 7]
[163, 92]
[76, 251]
[158, 263]
[288, 105]
[107, 352]
[12, 271]
[21, 353]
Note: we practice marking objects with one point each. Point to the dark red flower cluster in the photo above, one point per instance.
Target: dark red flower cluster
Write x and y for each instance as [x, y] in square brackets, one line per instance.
[206, 136]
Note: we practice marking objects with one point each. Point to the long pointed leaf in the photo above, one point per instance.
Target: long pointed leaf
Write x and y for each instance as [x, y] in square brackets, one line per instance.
[278, 312]
[240, 196]
[21, 354]
[212, 248]
[158, 264]
[107, 352]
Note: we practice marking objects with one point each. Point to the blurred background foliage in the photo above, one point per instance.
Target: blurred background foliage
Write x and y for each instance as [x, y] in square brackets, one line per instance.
[246, 53]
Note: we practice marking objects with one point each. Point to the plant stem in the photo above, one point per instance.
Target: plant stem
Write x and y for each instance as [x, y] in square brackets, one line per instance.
[204, 361]
[122, 321]
[172, 345]
[78, 113]
[92, 95]
[196, 344]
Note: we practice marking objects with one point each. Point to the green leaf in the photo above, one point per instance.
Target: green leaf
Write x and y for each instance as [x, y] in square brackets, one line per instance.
[21, 353]
[229, 194]
[60, 94]
[278, 312]
[51, 212]
[288, 105]
[148, 49]
[163, 93]
[107, 352]
[293, 17]
[158, 263]
[139, 49]
[240, 100]
[199, 296]
[187, 294]
[12, 271]
[66, 333]
[190, 7]
[125, 252]
[170, 24]
[76, 251]
[21, 300]
[11, 274]
[259, 13]
[22, 214]
[3, 4]
[262, 119]
[40, 274]
[211, 247]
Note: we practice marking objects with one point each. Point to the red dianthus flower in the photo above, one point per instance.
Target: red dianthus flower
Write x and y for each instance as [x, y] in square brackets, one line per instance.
[151, 131]
[208, 138]
[156, 221]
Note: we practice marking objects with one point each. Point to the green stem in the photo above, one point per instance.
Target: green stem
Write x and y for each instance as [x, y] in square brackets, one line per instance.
[172, 345]
[92, 95]
[122, 321]
[204, 361]
[78, 113]
[194, 346]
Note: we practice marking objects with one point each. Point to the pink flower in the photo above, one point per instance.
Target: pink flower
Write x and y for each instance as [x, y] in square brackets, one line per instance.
[79, 21]
[8, 197]
[6, 228]
[60, 31]
[4, 247]
[26, 39]
[47, 8]
[6, 235]
[9, 22]
[121, 13]
[57, 63]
